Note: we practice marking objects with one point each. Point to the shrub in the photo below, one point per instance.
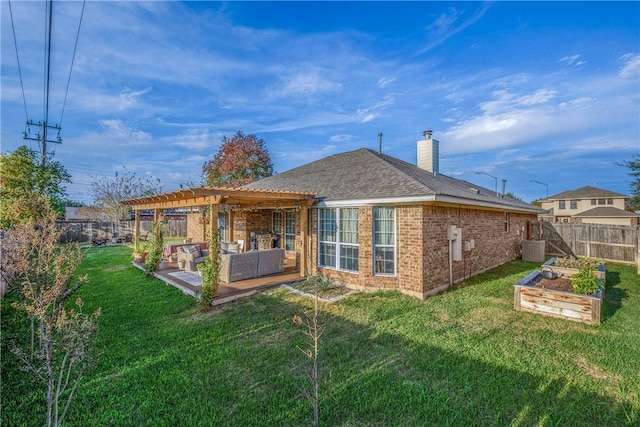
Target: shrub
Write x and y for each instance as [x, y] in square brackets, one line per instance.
[584, 282]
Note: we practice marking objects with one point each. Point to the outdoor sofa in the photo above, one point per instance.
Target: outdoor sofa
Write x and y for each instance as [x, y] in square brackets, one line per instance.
[248, 265]
[234, 266]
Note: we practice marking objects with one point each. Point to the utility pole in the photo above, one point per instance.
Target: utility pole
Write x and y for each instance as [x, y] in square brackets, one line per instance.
[42, 138]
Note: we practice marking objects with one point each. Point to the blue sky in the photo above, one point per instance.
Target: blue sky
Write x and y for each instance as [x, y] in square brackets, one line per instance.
[543, 91]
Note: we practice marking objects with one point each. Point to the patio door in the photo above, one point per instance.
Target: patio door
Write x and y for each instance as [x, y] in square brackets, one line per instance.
[223, 227]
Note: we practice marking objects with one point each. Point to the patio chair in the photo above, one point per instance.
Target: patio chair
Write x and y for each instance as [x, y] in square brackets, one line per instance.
[190, 256]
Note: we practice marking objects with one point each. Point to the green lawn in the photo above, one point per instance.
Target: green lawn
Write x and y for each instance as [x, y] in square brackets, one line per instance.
[465, 357]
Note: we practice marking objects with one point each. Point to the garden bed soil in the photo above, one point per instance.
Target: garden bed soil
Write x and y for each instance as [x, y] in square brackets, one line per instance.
[560, 284]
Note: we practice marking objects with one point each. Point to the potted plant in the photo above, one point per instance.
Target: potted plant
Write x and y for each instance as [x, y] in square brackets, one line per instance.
[156, 247]
[140, 252]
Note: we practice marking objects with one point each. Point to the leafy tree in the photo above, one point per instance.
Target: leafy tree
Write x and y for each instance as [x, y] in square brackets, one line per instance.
[634, 167]
[24, 185]
[109, 191]
[43, 274]
[241, 159]
[513, 196]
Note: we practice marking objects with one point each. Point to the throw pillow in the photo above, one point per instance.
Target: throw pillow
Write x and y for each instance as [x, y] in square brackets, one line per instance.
[194, 250]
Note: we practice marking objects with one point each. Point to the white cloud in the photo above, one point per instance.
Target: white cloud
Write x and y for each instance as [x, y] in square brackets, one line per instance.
[369, 117]
[449, 24]
[385, 81]
[341, 138]
[573, 61]
[304, 85]
[631, 66]
[118, 129]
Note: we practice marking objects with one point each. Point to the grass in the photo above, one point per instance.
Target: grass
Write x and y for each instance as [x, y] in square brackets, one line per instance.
[464, 357]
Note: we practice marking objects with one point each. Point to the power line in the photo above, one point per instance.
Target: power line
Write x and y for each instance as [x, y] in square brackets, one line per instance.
[72, 62]
[15, 42]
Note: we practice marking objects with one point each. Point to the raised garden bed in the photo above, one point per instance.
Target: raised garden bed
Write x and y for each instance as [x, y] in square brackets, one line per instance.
[568, 267]
[554, 297]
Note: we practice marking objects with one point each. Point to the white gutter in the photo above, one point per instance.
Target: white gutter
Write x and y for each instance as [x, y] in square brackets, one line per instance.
[419, 199]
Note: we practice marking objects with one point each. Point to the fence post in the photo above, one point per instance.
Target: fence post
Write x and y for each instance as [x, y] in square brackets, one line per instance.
[638, 250]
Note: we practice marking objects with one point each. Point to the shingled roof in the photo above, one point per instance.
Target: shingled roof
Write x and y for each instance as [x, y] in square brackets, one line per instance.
[586, 192]
[606, 212]
[364, 176]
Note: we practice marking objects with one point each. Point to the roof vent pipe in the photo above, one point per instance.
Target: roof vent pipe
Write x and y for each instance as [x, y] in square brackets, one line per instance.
[380, 143]
[504, 184]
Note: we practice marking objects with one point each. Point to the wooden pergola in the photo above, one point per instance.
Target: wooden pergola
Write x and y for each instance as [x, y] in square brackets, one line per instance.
[231, 198]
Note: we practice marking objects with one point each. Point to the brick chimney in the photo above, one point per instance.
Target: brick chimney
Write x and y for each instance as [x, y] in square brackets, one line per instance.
[429, 153]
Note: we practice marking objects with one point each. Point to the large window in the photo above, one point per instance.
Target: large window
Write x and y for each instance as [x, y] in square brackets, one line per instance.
[384, 240]
[573, 204]
[562, 204]
[290, 231]
[338, 238]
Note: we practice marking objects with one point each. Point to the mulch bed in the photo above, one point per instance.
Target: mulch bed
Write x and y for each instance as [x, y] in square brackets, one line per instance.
[560, 284]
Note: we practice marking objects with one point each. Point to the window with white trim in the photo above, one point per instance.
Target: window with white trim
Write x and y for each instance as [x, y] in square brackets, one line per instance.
[290, 231]
[338, 238]
[384, 240]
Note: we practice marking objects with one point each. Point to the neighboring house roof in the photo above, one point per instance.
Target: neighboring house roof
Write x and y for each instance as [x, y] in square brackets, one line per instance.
[606, 212]
[80, 213]
[586, 192]
[364, 175]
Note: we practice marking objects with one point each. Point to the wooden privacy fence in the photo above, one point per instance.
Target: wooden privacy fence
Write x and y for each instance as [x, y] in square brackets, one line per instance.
[618, 243]
[86, 231]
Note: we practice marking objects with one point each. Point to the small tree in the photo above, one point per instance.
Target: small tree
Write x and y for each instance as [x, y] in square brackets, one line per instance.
[314, 330]
[109, 191]
[241, 159]
[634, 167]
[156, 246]
[21, 177]
[43, 273]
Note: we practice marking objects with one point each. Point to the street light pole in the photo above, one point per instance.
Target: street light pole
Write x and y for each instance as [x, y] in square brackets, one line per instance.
[494, 178]
[542, 183]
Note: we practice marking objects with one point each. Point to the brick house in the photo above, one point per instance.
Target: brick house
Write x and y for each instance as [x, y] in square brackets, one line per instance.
[366, 219]
[381, 223]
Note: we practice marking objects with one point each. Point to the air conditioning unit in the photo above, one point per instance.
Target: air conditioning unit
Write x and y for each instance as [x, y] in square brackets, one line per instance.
[533, 250]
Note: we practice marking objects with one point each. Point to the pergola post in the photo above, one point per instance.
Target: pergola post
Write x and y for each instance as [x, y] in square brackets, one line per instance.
[213, 228]
[136, 228]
